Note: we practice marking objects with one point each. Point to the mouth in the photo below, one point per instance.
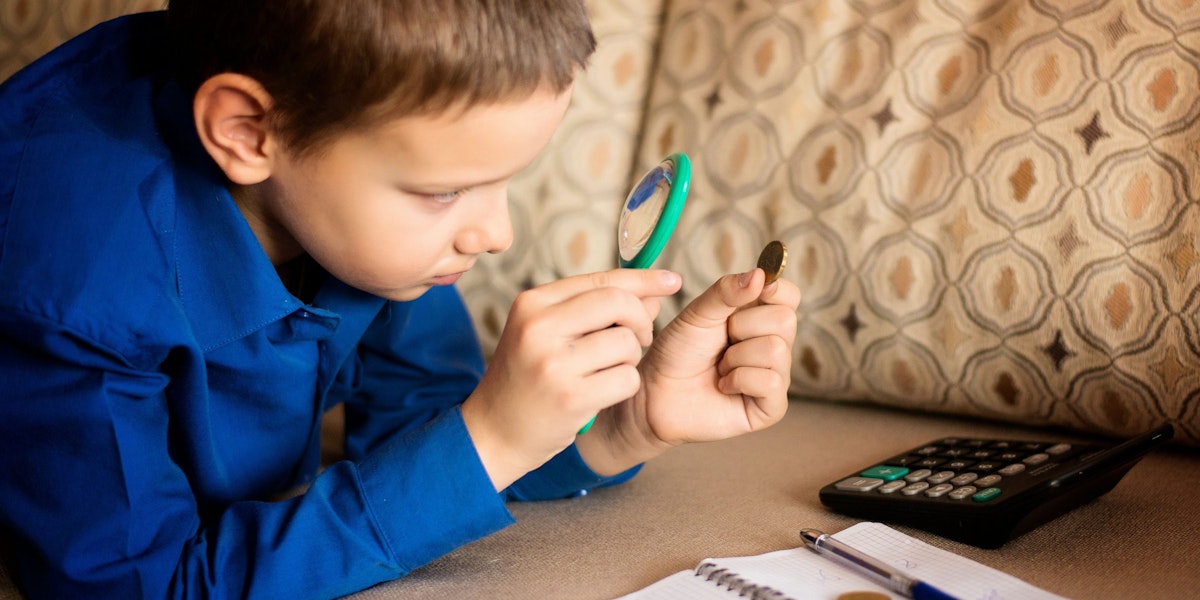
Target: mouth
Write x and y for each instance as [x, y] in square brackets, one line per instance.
[446, 279]
[450, 278]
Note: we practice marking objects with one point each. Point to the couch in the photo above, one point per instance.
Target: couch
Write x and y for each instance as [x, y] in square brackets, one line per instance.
[991, 208]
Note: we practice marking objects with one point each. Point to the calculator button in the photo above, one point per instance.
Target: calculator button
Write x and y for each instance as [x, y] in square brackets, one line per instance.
[858, 484]
[938, 491]
[913, 489]
[1036, 459]
[955, 452]
[1009, 456]
[981, 454]
[958, 465]
[988, 481]
[902, 460]
[1031, 446]
[1058, 449]
[929, 462]
[1012, 469]
[885, 472]
[986, 495]
[963, 492]
[1002, 445]
[892, 486]
[916, 476]
[987, 466]
[929, 450]
[965, 478]
[940, 477]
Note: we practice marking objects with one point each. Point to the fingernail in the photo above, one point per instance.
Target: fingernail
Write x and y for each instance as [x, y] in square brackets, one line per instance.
[671, 278]
[744, 278]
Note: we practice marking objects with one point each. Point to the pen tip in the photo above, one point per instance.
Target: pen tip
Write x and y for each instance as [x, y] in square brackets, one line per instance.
[810, 535]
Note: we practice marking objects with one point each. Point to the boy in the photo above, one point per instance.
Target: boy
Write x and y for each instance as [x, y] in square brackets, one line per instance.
[221, 221]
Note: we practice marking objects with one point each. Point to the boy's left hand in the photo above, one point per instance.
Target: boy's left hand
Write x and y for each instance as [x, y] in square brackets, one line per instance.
[721, 368]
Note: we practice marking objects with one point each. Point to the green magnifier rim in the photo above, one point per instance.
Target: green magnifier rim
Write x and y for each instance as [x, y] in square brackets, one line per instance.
[673, 208]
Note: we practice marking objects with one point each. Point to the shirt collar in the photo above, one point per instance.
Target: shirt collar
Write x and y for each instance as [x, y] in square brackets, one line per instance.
[226, 282]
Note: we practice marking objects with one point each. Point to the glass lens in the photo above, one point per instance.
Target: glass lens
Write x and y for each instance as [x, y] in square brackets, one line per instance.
[643, 208]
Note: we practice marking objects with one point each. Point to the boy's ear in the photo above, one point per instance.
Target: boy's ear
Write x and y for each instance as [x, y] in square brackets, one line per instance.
[230, 111]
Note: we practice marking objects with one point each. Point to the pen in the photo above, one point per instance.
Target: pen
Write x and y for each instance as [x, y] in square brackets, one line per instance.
[878, 570]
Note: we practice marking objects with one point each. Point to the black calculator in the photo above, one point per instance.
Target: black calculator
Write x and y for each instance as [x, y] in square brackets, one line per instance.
[984, 492]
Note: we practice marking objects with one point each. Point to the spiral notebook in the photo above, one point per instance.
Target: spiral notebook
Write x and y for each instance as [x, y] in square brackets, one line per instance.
[801, 574]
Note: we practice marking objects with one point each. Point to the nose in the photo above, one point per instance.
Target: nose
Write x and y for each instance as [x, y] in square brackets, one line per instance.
[490, 228]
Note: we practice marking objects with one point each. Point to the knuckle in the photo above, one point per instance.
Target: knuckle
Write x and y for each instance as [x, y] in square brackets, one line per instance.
[628, 380]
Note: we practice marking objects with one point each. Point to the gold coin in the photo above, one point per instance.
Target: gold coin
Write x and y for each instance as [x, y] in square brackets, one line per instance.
[863, 595]
[772, 260]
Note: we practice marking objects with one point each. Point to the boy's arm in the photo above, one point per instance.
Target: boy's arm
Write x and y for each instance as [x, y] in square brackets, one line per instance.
[97, 504]
[419, 360]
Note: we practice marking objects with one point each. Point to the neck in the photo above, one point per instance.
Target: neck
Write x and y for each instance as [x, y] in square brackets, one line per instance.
[274, 238]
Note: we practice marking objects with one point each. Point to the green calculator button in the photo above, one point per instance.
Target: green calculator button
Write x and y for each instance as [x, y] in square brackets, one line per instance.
[985, 495]
[885, 472]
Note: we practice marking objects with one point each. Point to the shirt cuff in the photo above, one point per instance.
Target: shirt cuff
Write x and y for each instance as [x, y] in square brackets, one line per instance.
[429, 492]
[565, 475]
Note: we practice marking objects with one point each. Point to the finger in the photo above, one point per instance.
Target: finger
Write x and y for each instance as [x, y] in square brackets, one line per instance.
[766, 387]
[602, 350]
[643, 283]
[599, 309]
[607, 387]
[781, 292]
[766, 352]
[721, 299]
[763, 320]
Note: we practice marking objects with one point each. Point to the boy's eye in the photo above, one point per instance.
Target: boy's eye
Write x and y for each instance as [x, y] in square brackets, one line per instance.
[446, 197]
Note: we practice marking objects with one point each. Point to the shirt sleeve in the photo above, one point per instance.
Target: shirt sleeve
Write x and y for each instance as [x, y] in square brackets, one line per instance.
[98, 506]
[422, 358]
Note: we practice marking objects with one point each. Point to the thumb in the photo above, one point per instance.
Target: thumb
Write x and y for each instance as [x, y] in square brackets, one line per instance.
[722, 298]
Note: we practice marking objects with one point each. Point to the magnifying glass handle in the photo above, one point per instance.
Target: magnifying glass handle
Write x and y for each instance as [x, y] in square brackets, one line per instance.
[586, 427]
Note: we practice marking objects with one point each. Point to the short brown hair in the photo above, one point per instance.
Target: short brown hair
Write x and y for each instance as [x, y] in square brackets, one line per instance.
[333, 65]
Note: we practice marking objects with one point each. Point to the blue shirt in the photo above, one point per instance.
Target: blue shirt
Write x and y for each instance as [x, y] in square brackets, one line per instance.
[158, 384]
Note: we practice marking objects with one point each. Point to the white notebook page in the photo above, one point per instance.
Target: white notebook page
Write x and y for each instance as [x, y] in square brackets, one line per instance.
[802, 574]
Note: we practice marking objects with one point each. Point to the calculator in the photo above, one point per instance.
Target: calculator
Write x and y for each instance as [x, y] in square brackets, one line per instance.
[985, 492]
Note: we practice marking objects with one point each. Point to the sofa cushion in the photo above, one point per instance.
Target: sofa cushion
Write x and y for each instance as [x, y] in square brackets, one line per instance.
[991, 207]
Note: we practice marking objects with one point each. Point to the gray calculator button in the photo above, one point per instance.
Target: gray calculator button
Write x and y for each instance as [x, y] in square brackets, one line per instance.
[963, 492]
[988, 481]
[941, 477]
[1012, 469]
[858, 484]
[964, 479]
[1036, 459]
[1058, 449]
[938, 491]
[913, 489]
[918, 475]
[892, 486]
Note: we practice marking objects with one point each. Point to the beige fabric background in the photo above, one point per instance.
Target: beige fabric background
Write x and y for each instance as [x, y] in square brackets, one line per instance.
[991, 207]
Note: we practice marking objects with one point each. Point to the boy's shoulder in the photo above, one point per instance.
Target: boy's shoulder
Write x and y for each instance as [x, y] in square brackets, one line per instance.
[96, 156]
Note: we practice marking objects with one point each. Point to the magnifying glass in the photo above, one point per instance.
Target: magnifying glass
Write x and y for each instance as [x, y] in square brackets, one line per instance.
[651, 212]
[649, 216]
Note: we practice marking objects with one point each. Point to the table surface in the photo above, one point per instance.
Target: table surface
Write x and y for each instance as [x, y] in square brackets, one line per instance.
[753, 494]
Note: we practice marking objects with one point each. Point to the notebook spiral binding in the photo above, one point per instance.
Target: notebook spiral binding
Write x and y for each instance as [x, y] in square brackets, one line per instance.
[733, 582]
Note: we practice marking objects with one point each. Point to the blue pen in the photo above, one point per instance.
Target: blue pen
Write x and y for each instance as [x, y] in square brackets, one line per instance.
[877, 570]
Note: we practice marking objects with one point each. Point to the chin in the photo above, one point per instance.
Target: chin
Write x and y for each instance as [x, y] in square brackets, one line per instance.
[404, 294]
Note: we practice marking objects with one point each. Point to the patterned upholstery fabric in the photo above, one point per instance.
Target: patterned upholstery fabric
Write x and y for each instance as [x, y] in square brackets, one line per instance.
[31, 28]
[991, 207]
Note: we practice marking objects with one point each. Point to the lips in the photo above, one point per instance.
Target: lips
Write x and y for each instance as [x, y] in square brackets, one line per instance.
[447, 279]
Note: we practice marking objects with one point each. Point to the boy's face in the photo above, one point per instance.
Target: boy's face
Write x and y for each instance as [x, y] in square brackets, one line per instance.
[412, 203]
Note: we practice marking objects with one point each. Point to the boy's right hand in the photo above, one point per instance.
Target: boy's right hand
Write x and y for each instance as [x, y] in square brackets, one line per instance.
[569, 349]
